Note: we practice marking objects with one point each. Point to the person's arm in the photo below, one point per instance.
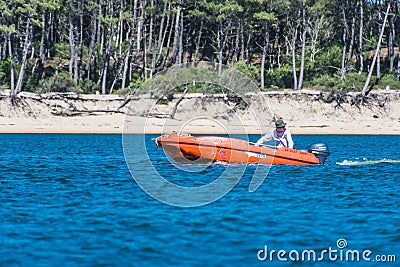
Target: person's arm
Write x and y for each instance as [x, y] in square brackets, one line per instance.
[289, 139]
[265, 138]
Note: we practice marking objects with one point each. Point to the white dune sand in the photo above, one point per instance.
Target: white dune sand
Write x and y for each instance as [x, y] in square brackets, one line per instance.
[195, 114]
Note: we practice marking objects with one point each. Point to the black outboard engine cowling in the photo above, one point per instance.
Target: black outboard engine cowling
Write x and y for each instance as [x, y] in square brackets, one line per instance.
[320, 150]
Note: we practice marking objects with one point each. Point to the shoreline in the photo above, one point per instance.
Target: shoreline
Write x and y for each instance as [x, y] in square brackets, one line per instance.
[90, 126]
[304, 112]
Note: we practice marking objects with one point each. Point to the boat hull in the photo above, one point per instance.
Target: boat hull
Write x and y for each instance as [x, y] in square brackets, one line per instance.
[213, 148]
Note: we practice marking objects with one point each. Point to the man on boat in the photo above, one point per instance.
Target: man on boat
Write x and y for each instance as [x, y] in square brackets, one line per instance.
[280, 134]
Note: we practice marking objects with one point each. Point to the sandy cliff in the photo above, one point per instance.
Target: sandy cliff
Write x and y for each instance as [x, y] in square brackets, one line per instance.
[305, 111]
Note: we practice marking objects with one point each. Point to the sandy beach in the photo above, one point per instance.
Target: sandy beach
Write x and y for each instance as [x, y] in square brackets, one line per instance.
[303, 111]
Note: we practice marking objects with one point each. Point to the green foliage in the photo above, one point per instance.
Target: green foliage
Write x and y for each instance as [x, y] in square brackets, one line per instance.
[204, 88]
[330, 58]
[352, 82]
[108, 19]
[389, 81]
[5, 72]
[61, 82]
[136, 82]
[87, 86]
[162, 101]
[251, 71]
[48, 4]
[281, 78]
[196, 13]
[230, 8]
[8, 29]
[263, 15]
[235, 26]
[62, 50]
[122, 91]
[325, 82]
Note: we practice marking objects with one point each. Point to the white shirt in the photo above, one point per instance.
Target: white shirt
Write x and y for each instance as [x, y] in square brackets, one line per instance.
[282, 139]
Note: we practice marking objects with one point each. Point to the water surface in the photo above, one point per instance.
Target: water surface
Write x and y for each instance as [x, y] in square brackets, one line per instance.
[70, 200]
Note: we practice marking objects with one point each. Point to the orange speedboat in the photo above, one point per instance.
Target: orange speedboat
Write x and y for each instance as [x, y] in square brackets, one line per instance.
[187, 148]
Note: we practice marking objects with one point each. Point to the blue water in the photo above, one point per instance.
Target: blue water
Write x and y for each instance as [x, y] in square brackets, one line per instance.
[70, 200]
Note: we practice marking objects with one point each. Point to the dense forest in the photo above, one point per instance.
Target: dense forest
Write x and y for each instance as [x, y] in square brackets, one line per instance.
[112, 46]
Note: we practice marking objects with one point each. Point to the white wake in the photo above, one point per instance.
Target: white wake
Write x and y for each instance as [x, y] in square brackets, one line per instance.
[366, 161]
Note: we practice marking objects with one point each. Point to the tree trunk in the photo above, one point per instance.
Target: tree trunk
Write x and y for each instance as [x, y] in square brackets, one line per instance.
[107, 60]
[42, 52]
[221, 44]
[139, 29]
[99, 27]
[262, 67]
[288, 46]
[396, 12]
[220, 57]
[242, 49]
[154, 60]
[360, 38]
[172, 115]
[151, 25]
[391, 39]
[249, 53]
[398, 66]
[353, 25]
[378, 64]
[73, 64]
[314, 30]
[144, 67]
[107, 54]
[176, 35]
[162, 33]
[264, 54]
[121, 33]
[303, 46]
[344, 41]
[91, 45]
[179, 60]
[364, 90]
[3, 53]
[3, 48]
[235, 56]
[75, 60]
[27, 47]
[51, 34]
[277, 48]
[293, 46]
[128, 58]
[81, 44]
[168, 43]
[12, 71]
[197, 49]
[378, 61]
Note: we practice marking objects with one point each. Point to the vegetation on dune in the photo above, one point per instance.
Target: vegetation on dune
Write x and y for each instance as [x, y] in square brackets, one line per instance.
[114, 46]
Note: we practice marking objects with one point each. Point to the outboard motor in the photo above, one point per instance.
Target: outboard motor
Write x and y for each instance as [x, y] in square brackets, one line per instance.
[320, 150]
